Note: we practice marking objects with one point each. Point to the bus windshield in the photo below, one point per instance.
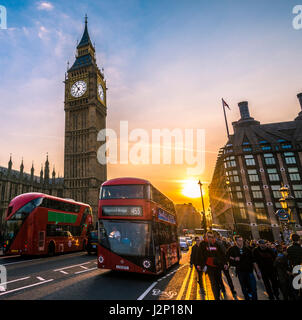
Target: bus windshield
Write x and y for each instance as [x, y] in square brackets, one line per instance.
[130, 191]
[12, 226]
[126, 238]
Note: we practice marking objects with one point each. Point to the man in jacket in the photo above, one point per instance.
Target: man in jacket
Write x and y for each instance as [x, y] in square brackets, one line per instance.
[226, 272]
[265, 257]
[194, 261]
[242, 258]
[212, 260]
[294, 254]
[283, 272]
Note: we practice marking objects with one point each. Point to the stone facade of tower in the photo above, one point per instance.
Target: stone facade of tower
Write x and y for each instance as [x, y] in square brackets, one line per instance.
[85, 115]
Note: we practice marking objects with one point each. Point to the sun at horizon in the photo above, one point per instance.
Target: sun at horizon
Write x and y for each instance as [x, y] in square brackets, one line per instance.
[191, 189]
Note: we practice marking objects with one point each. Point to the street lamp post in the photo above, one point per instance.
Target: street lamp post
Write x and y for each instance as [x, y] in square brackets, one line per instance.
[203, 209]
[286, 214]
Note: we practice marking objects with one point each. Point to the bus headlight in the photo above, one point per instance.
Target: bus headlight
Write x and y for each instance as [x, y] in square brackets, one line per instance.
[147, 264]
[136, 211]
[101, 259]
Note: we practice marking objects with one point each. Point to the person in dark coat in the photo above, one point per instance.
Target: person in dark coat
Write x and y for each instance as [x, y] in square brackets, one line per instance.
[194, 262]
[265, 257]
[212, 260]
[294, 254]
[242, 258]
[226, 272]
[283, 270]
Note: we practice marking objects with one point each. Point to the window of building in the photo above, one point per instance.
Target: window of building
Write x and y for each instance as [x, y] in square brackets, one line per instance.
[290, 158]
[273, 174]
[249, 160]
[253, 175]
[233, 176]
[260, 211]
[294, 174]
[276, 192]
[269, 159]
[230, 162]
[242, 210]
[256, 191]
[247, 149]
[297, 190]
[266, 148]
[286, 145]
[278, 205]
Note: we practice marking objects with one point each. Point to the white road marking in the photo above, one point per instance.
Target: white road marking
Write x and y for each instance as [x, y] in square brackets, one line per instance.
[75, 265]
[32, 285]
[64, 272]
[85, 270]
[142, 296]
[15, 280]
[40, 278]
[84, 267]
[24, 261]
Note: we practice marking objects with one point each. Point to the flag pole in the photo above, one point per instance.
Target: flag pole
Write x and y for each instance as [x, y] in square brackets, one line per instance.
[225, 118]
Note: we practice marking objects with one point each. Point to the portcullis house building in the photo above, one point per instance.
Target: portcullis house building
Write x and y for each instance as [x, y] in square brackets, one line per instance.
[250, 169]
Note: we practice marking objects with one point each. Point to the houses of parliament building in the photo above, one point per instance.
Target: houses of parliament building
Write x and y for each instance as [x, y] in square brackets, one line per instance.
[85, 115]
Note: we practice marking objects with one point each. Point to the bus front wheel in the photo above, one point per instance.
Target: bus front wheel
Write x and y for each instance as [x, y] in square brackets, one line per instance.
[51, 249]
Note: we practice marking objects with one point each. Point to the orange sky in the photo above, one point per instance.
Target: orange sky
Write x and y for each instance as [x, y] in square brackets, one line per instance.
[160, 74]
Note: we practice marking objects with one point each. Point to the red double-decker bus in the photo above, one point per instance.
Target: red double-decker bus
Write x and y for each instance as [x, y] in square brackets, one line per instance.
[137, 227]
[38, 224]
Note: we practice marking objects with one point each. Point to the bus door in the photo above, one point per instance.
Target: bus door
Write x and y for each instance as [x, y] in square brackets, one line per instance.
[156, 246]
[41, 241]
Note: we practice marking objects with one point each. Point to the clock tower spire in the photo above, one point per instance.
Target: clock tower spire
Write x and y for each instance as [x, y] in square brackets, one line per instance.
[85, 115]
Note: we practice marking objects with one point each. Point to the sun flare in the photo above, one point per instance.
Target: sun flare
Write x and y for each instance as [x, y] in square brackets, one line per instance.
[191, 189]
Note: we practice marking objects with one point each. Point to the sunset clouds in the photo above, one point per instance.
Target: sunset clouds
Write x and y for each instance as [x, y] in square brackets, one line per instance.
[167, 64]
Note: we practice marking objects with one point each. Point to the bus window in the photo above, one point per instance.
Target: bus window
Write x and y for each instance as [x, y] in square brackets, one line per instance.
[13, 225]
[124, 192]
[126, 238]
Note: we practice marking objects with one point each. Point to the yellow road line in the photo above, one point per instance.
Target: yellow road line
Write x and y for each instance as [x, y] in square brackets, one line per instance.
[205, 286]
[188, 294]
[182, 289]
[198, 297]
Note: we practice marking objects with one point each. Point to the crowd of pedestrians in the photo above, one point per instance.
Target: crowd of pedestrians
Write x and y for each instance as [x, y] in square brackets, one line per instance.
[271, 262]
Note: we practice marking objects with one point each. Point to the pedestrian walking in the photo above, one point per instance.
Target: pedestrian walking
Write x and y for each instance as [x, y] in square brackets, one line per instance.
[265, 257]
[224, 246]
[194, 262]
[212, 260]
[283, 270]
[294, 254]
[242, 258]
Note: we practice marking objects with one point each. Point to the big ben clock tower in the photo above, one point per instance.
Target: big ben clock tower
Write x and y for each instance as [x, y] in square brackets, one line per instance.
[85, 115]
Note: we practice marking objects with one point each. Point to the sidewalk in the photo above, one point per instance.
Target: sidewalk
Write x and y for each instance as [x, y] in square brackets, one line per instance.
[262, 295]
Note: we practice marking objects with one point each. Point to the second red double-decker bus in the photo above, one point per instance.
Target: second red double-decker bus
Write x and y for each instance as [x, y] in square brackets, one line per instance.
[137, 227]
[38, 224]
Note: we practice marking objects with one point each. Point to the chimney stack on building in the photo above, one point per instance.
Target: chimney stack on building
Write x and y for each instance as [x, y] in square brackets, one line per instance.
[244, 110]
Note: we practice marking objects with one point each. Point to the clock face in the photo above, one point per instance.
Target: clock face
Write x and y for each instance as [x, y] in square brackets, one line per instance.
[101, 92]
[78, 89]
